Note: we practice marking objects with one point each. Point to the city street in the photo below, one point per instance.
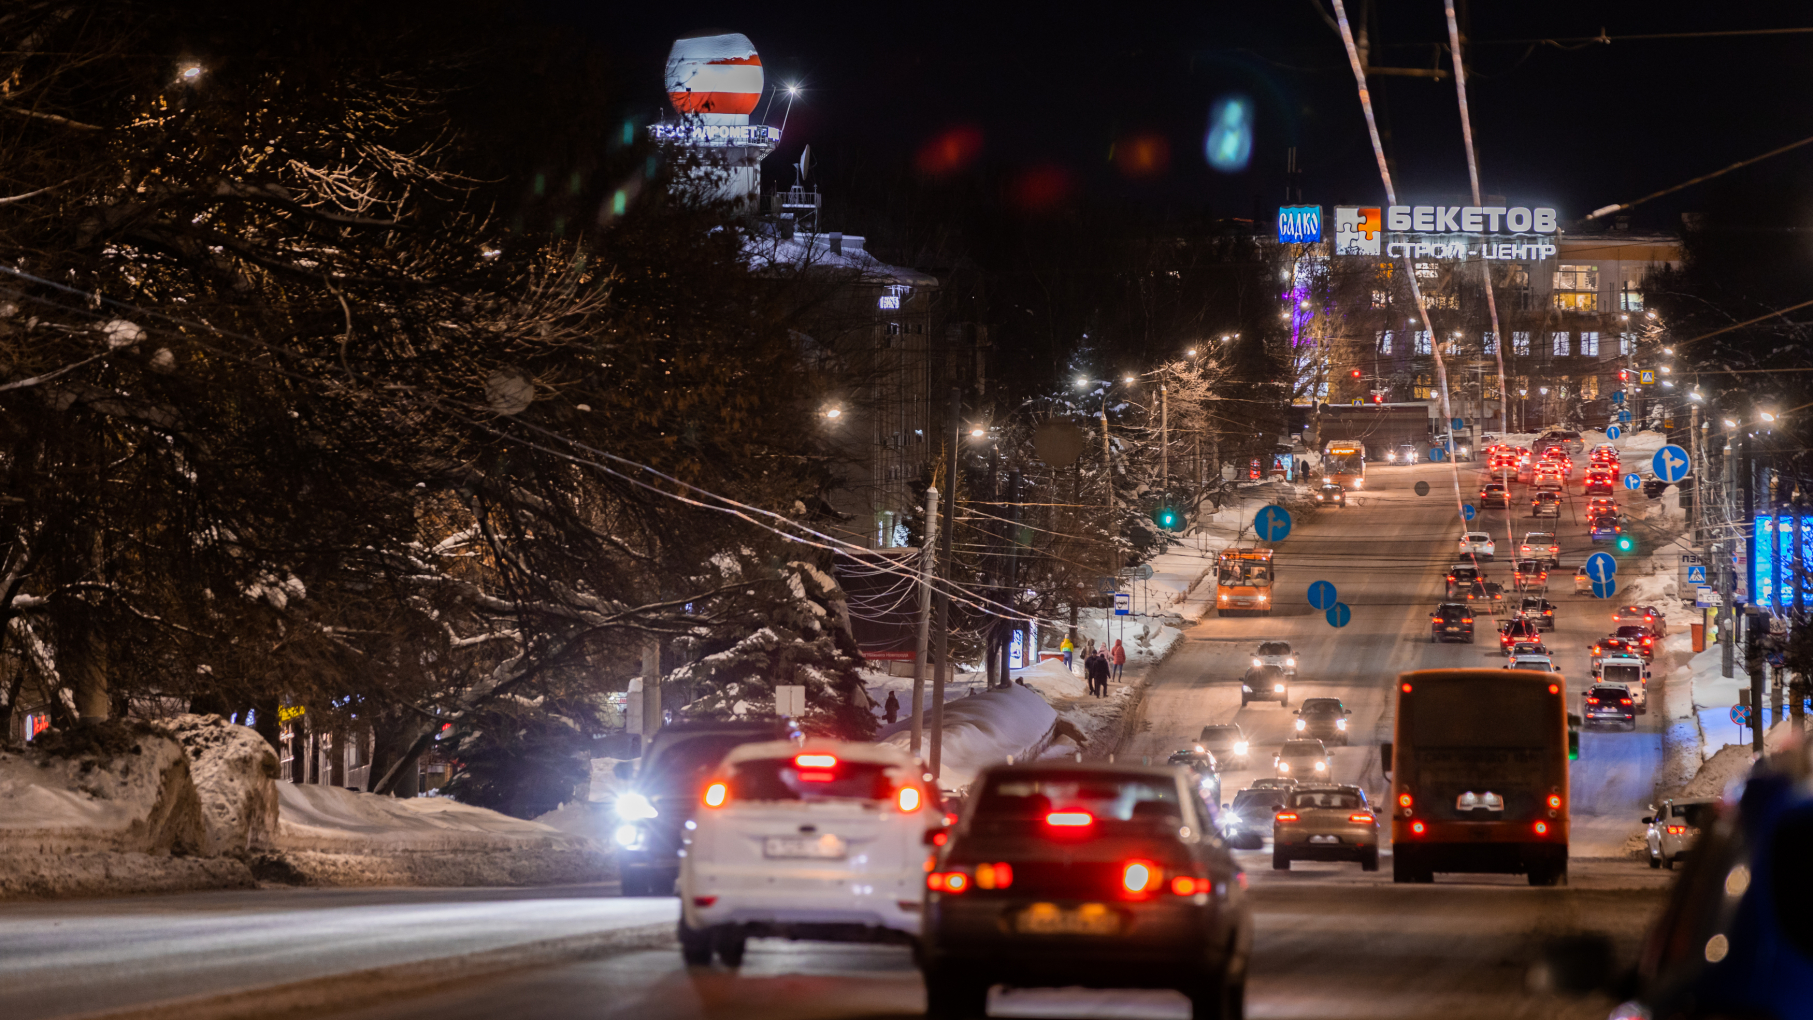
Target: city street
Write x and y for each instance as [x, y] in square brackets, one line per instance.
[1331, 941]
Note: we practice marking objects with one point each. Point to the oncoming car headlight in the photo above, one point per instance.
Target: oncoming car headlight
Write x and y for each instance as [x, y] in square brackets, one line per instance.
[1302, 725]
[1257, 663]
[627, 835]
[1239, 747]
[1292, 663]
[1277, 688]
[634, 807]
[1284, 766]
[1340, 724]
[1321, 766]
[1247, 688]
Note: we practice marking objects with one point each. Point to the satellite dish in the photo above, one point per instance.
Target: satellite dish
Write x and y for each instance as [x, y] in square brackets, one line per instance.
[804, 166]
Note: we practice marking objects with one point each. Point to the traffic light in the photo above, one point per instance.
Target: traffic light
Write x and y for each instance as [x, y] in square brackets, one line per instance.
[1355, 374]
[1626, 544]
[1623, 375]
[1378, 398]
[1166, 517]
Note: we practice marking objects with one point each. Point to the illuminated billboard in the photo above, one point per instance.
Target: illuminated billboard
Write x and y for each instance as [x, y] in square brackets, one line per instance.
[1299, 224]
[1772, 561]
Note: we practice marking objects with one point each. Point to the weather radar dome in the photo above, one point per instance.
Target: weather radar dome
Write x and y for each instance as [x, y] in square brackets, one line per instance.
[715, 76]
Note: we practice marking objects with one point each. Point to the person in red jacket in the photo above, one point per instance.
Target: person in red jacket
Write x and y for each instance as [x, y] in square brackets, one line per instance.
[1119, 657]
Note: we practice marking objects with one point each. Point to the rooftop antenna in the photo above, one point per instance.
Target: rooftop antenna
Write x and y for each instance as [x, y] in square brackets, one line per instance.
[803, 167]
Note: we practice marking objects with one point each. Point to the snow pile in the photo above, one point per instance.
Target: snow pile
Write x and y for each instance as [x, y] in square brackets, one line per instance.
[104, 787]
[1053, 680]
[586, 819]
[983, 729]
[235, 776]
[330, 819]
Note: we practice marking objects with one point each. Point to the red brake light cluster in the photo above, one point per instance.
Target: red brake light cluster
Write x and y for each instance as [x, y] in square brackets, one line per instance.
[1419, 828]
[1676, 830]
[1623, 701]
[994, 876]
[1404, 800]
[1361, 818]
[1070, 819]
[1592, 700]
[1542, 828]
[1288, 816]
[1141, 876]
[909, 798]
[717, 794]
[947, 882]
[1184, 885]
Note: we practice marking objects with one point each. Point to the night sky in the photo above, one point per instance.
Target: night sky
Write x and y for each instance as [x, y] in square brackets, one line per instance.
[1057, 91]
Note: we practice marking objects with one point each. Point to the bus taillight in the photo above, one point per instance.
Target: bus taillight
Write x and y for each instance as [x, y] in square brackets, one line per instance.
[1404, 800]
[1555, 800]
[1406, 688]
[1419, 828]
[1542, 828]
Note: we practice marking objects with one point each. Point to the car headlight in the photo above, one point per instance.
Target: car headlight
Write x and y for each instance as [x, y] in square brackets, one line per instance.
[1262, 598]
[1301, 724]
[627, 835]
[1292, 663]
[1277, 688]
[634, 807]
[1321, 766]
[1284, 766]
[1340, 724]
[1224, 598]
[1257, 663]
[1239, 747]
[1246, 688]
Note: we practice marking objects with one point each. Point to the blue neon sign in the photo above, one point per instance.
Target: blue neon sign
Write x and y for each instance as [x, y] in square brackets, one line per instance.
[1299, 224]
[1772, 561]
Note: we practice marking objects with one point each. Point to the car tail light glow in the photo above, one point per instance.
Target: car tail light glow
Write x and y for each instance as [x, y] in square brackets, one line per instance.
[908, 798]
[1466, 619]
[947, 881]
[1623, 701]
[1185, 885]
[1419, 828]
[716, 794]
[1404, 800]
[1542, 828]
[704, 901]
[1554, 800]
[1141, 876]
[1287, 816]
[1360, 817]
[1406, 688]
[994, 876]
[815, 761]
[1592, 701]
[1676, 830]
[1069, 819]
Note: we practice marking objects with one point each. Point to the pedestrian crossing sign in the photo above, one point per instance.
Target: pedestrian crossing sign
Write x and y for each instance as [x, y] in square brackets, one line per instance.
[1696, 573]
[1646, 377]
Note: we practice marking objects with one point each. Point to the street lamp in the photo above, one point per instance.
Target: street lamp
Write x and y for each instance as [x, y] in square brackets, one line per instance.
[834, 412]
[189, 72]
[978, 432]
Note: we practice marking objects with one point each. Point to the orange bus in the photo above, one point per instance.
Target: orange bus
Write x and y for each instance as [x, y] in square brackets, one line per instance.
[1344, 462]
[1479, 774]
[1243, 582]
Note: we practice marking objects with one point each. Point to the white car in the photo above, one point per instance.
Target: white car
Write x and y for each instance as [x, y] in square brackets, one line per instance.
[1279, 654]
[1629, 670]
[1675, 828]
[825, 840]
[1479, 544]
[1540, 663]
[1542, 547]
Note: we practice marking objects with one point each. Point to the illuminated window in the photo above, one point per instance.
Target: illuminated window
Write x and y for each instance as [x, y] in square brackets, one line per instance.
[1378, 299]
[1520, 344]
[1423, 389]
[1589, 345]
[1630, 298]
[1426, 271]
[1560, 349]
[1627, 342]
[1589, 388]
[1577, 288]
[1423, 344]
[1385, 342]
[1491, 340]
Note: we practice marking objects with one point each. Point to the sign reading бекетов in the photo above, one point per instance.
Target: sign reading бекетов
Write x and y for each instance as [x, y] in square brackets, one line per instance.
[1447, 232]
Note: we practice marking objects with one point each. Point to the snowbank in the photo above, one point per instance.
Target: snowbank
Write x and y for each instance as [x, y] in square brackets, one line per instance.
[108, 787]
[983, 729]
[326, 818]
[1054, 680]
[235, 776]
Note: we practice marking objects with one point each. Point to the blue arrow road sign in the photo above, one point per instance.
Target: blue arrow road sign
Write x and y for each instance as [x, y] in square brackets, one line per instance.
[1617, 396]
[1633, 481]
[1436, 454]
[1457, 424]
[1604, 589]
[1624, 416]
[1696, 573]
[1272, 523]
[1671, 463]
[1467, 511]
[1322, 595]
[1614, 432]
[1338, 614]
[1600, 566]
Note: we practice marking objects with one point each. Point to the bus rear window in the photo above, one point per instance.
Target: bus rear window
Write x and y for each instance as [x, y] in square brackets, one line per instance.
[1481, 715]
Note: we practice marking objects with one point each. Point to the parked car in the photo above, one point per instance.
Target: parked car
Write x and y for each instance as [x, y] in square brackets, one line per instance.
[822, 840]
[1676, 826]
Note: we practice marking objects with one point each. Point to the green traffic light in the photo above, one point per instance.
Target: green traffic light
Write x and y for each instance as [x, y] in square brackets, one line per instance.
[1625, 544]
[1167, 519]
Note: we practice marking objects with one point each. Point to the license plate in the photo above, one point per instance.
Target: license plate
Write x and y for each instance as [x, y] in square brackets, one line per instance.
[1325, 839]
[826, 847]
[1452, 630]
[1050, 919]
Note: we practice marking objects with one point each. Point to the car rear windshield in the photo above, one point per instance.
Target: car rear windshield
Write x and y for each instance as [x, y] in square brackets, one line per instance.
[1247, 799]
[1612, 693]
[1346, 800]
[787, 779]
[1700, 816]
[1623, 673]
[1218, 734]
[1633, 631]
[1462, 715]
[1017, 798]
[682, 767]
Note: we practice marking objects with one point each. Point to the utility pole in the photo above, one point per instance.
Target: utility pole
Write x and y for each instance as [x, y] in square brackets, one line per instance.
[651, 688]
[1726, 618]
[1013, 564]
[1114, 554]
[928, 565]
[953, 429]
[1695, 451]
[1164, 440]
[1753, 665]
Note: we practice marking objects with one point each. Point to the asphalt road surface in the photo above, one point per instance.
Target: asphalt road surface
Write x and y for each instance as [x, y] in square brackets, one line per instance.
[1331, 941]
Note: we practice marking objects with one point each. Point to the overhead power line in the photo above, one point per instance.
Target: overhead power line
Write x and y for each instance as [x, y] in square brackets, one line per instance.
[1608, 210]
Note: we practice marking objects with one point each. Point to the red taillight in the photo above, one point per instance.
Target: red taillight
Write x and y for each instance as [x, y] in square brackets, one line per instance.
[994, 876]
[1287, 816]
[815, 761]
[1141, 876]
[1623, 701]
[816, 776]
[1542, 828]
[1069, 819]
[1404, 800]
[704, 901]
[1677, 830]
[1184, 885]
[947, 881]
[1405, 688]
[716, 794]
[908, 798]
[1555, 800]
[1419, 828]
[1360, 818]
[1592, 701]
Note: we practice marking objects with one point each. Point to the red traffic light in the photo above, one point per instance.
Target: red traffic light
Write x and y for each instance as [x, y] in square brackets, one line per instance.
[1378, 398]
[1355, 374]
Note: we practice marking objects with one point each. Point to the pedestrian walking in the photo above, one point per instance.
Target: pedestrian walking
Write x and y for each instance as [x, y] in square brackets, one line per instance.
[1098, 674]
[1067, 647]
[1118, 657]
[892, 708]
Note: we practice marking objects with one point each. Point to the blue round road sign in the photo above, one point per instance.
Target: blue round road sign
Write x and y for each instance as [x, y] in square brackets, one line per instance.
[1633, 481]
[1322, 595]
[1605, 589]
[1338, 615]
[1671, 463]
[1467, 511]
[1436, 454]
[1740, 714]
[1613, 432]
[1272, 523]
[1601, 567]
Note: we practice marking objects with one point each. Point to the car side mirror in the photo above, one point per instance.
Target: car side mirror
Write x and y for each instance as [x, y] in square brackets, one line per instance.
[1385, 757]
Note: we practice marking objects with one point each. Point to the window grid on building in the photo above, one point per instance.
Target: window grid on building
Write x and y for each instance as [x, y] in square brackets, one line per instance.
[1589, 344]
[1520, 344]
[1559, 346]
